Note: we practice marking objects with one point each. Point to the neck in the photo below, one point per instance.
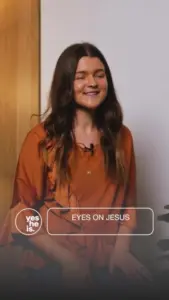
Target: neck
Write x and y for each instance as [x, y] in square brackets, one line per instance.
[84, 120]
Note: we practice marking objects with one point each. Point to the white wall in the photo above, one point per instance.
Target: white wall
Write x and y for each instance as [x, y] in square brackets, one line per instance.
[133, 35]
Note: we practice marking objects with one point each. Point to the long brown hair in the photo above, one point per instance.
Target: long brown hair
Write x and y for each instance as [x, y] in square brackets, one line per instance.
[59, 123]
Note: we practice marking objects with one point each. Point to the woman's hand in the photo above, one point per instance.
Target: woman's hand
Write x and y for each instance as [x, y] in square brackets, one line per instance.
[129, 265]
[74, 269]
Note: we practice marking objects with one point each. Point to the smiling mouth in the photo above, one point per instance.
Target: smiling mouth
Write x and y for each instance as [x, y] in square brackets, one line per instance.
[92, 93]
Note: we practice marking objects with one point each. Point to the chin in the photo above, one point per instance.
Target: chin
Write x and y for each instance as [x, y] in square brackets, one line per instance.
[90, 106]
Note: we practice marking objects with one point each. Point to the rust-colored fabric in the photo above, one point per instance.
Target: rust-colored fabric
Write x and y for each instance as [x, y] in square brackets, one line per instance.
[89, 188]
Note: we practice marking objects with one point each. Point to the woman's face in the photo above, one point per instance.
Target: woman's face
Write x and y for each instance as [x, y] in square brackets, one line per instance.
[90, 84]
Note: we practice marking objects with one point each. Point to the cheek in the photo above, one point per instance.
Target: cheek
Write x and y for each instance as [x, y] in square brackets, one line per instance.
[79, 86]
[78, 89]
[103, 84]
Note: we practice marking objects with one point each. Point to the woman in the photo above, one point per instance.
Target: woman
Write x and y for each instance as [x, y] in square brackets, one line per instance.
[80, 156]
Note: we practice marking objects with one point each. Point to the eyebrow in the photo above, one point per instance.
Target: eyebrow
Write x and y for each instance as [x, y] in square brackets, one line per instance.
[95, 71]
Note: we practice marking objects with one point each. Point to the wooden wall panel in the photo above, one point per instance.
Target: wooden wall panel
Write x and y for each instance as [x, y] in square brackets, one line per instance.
[19, 85]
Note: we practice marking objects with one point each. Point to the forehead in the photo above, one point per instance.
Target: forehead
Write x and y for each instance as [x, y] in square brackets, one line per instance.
[89, 64]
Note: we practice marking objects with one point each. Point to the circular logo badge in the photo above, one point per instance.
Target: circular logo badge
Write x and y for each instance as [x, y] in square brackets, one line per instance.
[27, 223]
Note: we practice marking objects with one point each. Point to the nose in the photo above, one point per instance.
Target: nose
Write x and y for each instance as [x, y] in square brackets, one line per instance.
[91, 81]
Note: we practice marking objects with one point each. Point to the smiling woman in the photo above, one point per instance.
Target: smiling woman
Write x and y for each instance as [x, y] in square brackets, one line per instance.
[57, 177]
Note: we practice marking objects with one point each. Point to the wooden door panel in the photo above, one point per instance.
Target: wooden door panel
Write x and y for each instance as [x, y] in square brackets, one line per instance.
[19, 85]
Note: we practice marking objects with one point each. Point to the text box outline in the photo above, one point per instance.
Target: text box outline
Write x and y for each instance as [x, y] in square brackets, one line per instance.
[97, 234]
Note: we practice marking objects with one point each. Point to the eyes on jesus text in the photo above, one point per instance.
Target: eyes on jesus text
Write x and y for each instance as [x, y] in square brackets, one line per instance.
[100, 217]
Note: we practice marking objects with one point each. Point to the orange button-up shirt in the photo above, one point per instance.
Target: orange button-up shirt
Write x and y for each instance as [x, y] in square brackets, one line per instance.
[89, 189]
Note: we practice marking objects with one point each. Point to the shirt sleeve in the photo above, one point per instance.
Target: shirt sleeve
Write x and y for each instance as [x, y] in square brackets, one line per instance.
[23, 213]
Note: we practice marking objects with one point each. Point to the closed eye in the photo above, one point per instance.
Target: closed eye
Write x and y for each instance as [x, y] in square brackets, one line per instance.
[100, 75]
[79, 77]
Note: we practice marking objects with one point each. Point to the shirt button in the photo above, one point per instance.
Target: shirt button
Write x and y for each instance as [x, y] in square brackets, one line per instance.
[89, 172]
